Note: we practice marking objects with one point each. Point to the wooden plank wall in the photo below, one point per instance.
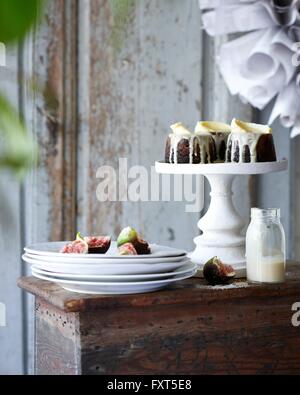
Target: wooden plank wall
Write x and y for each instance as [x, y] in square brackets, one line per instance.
[296, 143]
[44, 207]
[50, 197]
[103, 98]
[11, 341]
[121, 96]
[279, 189]
[218, 104]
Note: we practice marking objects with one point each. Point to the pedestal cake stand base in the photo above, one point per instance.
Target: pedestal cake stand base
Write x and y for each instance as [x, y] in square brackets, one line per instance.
[221, 226]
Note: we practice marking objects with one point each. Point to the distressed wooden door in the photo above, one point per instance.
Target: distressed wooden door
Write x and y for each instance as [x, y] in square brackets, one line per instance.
[110, 84]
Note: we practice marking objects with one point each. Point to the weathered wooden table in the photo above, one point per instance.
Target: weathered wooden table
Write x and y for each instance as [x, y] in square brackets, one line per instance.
[189, 328]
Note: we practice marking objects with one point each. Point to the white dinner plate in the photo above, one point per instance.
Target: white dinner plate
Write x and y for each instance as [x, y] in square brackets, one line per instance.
[108, 268]
[51, 249]
[115, 288]
[122, 278]
[84, 259]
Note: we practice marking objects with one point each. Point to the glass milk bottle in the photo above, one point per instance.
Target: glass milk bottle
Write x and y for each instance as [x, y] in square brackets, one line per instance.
[265, 247]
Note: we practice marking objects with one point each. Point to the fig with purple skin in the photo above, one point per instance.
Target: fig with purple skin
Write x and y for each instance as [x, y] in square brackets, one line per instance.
[141, 246]
[216, 272]
[127, 249]
[98, 244]
[130, 235]
[76, 247]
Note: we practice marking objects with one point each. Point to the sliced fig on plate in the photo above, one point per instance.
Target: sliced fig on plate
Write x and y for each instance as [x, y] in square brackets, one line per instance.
[216, 272]
[127, 235]
[130, 235]
[141, 246]
[76, 247]
[98, 244]
[127, 249]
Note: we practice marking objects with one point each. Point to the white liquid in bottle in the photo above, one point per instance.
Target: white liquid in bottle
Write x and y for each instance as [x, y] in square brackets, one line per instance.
[268, 269]
[265, 247]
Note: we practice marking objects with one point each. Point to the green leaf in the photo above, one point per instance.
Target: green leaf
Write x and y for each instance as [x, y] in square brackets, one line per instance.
[17, 17]
[19, 151]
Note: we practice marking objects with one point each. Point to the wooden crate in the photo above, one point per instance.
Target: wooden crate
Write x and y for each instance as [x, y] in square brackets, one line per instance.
[189, 328]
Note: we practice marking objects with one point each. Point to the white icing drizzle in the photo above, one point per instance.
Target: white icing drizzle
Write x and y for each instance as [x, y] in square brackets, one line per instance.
[204, 141]
[245, 134]
[212, 126]
[242, 140]
[219, 131]
[195, 141]
[175, 139]
[191, 149]
[219, 137]
[238, 126]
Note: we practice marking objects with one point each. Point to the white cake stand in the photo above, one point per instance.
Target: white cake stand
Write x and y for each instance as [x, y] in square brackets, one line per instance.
[221, 225]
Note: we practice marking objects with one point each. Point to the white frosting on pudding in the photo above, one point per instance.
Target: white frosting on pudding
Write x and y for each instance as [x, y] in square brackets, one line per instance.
[238, 126]
[243, 135]
[197, 142]
[180, 130]
[212, 127]
[219, 131]
[240, 140]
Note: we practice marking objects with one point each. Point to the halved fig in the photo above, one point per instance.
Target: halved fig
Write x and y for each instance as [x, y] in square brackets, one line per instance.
[127, 249]
[141, 246]
[76, 247]
[130, 235]
[127, 235]
[98, 244]
[216, 272]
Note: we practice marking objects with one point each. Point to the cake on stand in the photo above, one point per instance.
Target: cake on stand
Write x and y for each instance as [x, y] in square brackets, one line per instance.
[221, 226]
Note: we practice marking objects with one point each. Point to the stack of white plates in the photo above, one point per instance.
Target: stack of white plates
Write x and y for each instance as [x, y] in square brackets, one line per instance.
[109, 273]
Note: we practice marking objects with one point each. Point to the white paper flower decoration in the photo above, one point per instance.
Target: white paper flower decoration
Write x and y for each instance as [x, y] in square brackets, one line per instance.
[263, 63]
